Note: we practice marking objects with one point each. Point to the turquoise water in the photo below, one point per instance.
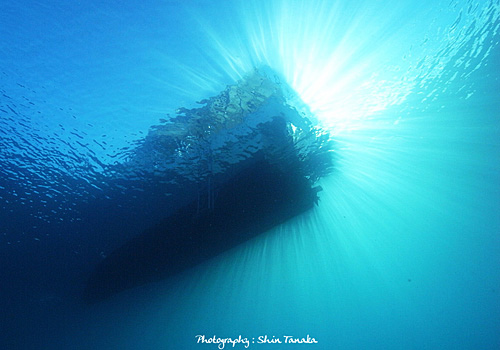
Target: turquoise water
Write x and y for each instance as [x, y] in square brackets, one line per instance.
[402, 251]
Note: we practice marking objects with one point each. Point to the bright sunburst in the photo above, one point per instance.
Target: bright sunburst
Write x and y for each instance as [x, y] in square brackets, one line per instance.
[345, 61]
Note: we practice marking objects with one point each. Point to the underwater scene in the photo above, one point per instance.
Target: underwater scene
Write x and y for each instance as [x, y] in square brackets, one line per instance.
[279, 174]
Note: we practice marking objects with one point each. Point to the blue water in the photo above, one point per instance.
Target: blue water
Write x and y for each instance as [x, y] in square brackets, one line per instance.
[402, 251]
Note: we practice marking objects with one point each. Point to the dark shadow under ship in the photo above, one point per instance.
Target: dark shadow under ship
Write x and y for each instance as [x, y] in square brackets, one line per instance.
[253, 154]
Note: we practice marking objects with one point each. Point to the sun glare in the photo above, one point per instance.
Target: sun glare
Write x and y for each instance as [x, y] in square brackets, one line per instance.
[345, 61]
[336, 64]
